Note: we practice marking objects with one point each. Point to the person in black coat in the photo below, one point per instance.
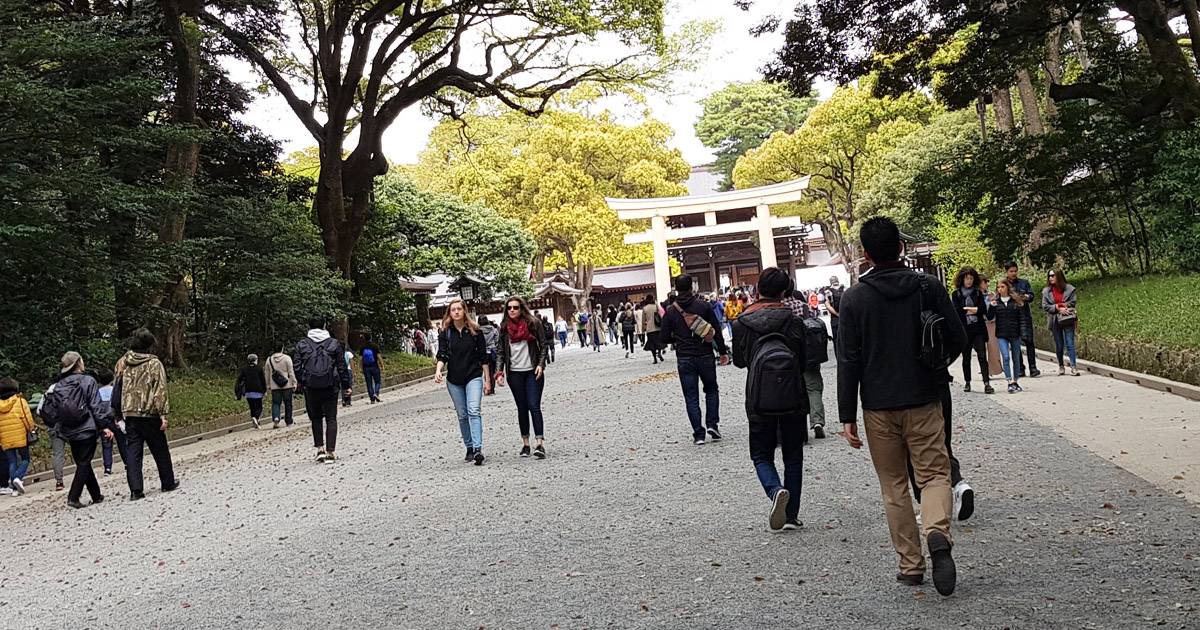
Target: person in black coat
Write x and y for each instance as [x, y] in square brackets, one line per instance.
[1007, 309]
[252, 385]
[972, 307]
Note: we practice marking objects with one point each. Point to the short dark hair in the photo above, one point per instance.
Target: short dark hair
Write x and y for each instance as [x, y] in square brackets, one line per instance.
[1012, 264]
[772, 282]
[142, 341]
[684, 283]
[881, 239]
[315, 322]
[9, 386]
[104, 376]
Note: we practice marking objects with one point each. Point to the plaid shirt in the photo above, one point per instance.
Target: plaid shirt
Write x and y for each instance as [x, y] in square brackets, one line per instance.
[799, 307]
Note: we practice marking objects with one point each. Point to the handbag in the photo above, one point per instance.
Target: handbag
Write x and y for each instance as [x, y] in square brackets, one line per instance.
[1068, 319]
[31, 436]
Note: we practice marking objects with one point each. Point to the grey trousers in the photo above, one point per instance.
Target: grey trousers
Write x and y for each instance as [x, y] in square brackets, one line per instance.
[58, 448]
[815, 384]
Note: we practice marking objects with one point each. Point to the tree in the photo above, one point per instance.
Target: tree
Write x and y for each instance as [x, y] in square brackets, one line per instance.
[552, 174]
[982, 46]
[355, 65]
[741, 116]
[840, 148]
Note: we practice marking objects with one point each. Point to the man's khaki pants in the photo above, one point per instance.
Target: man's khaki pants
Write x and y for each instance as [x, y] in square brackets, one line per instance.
[895, 437]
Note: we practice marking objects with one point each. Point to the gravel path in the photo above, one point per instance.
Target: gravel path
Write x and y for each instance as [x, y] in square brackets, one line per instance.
[626, 525]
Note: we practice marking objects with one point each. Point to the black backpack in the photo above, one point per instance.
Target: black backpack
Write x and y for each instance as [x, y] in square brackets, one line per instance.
[934, 353]
[64, 406]
[816, 342]
[774, 384]
[319, 368]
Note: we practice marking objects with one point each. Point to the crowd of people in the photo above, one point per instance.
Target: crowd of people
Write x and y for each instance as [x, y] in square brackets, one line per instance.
[777, 333]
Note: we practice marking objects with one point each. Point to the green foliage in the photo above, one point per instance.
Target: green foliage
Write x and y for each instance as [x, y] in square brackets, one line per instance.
[959, 245]
[1176, 186]
[741, 116]
[1158, 309]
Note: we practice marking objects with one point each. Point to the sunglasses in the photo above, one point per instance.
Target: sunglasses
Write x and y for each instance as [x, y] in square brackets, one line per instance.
[514, 308]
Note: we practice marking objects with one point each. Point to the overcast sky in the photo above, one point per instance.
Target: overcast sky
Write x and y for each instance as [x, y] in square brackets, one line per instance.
[735, 56]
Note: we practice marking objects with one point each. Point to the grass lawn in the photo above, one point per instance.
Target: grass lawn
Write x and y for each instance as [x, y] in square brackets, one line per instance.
[1157, 309]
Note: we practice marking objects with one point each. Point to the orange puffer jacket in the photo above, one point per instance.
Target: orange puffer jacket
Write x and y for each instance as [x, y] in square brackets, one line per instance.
[16, 421]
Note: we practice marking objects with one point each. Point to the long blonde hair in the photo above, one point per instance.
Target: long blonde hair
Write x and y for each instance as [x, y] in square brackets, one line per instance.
[1016, 297]
[472, 327]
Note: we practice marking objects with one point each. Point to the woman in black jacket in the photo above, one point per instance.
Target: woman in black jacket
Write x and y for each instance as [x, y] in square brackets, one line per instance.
[253, 385]
[521, 358]
[972, 307]
[628, 321]
[1007, 309]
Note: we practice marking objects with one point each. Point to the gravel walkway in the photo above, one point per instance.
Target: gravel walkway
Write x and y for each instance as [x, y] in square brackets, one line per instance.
[626, 525]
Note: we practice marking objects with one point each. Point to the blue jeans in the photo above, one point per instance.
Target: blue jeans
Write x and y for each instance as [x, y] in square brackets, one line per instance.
[372, 377]
[1064, 338]
[562, 338]
[18, 462]
[693, 371]
[282, 398]
[1010, 356]
[790, 434]
[527, 392]
[467, 402]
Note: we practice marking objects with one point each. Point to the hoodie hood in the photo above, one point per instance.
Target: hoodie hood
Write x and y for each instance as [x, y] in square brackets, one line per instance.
[137, 358]
[8, 402]
[765, 316]
[893, 282]
[318, 335]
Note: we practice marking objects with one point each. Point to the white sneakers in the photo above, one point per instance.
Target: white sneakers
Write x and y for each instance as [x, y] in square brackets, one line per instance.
[964, 501]
[6, 491]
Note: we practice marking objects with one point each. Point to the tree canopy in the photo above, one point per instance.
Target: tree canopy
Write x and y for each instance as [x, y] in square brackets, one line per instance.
[552, 174]
[741, 116]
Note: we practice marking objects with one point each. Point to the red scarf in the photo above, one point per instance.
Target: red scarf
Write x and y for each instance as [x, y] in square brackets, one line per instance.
[1058, 295]
[518, 330]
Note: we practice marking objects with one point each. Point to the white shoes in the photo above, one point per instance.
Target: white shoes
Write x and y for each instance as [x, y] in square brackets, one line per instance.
[964, 501]
[6, 491]
[18, 486]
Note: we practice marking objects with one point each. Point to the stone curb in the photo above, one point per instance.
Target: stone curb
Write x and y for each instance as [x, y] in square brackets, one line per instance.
[232, 424]
[1148, 381]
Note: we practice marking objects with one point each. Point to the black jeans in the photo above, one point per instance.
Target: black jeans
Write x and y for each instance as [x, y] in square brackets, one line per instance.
[692, 372]
[322, 407]
[790, 434]
[82, 453]
[256, 405]
[143, 432]
[977, 341]
[527, 392]
[948, 428]
[627, 341]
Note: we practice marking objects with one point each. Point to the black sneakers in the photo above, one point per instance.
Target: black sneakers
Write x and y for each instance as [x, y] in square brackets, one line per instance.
[945, 575]
[819, 432]
[525, 451]
[714, 433]
[539, 452]
[470, 455]
[967, 387]
[778, 517]
[479, 457]
[910, 579]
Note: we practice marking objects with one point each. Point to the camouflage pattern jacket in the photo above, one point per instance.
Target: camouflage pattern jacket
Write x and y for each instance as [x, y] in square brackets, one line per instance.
[143, 388]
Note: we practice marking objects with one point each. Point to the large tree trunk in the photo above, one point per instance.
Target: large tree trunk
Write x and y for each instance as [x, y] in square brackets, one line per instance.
[1081, 52]
[1002, 106]
[1030, 109]
[1192, 14]
[1179, 80]
[179, 169]
[1054, 70]
[981, 114]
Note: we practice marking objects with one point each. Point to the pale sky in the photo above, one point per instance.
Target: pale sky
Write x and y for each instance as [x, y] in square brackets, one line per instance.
[734, 56]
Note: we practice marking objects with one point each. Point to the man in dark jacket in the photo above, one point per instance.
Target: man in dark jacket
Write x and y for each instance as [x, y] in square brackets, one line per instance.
[770, 315]
[879, 349]
[74, 408]
[695, 357]
[321, 369]
[1022, 286]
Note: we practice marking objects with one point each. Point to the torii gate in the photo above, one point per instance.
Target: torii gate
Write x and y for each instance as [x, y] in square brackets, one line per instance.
[657, 210]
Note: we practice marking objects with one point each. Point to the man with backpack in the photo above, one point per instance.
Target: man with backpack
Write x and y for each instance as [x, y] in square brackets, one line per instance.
[321, 371]
[816, 342]
[372, 367]
[897, 334]
[73, 407]
[690, 325]
[769, 340]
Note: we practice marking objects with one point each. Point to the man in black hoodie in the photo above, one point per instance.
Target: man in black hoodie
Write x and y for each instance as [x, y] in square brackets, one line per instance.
[695, 357]
[879, 349]
[321, 369]
[766, 316]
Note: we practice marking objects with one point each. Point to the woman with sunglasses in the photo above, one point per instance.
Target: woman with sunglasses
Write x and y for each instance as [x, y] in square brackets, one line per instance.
[462, 354]
[1058, 301]
[522, 360]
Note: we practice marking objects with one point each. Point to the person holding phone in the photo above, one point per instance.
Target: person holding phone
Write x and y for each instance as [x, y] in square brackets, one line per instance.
[522, 361]
[972, 310]
[463, 365]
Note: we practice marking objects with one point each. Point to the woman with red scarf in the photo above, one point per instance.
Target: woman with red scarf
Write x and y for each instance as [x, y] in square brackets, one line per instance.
[521, 357]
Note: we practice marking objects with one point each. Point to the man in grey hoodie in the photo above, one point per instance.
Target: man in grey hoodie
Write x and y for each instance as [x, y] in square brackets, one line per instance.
[321, 369]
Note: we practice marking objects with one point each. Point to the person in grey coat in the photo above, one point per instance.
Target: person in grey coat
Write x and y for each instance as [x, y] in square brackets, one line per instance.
[1058, 301]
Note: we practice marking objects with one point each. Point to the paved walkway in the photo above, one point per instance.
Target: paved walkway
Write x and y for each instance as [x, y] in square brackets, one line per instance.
[627, 525]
